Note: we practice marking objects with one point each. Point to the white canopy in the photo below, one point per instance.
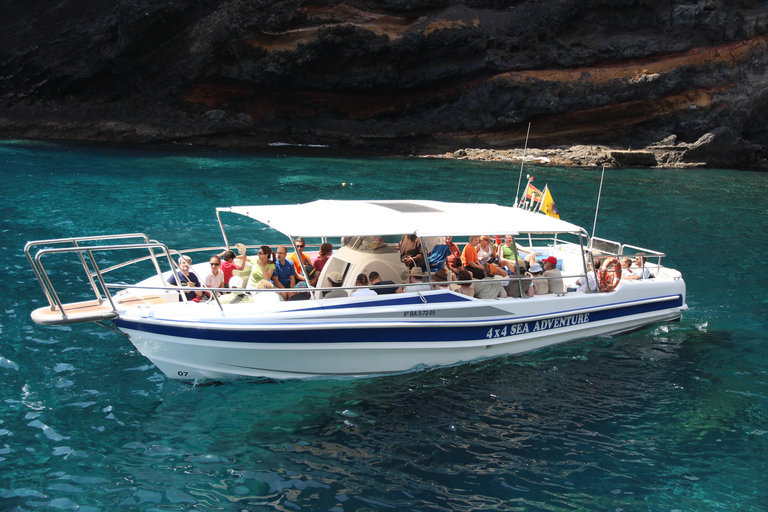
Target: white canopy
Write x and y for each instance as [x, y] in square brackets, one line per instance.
[332, 218]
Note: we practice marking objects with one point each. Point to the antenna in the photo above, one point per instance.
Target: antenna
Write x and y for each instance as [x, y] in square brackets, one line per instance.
[520, 179]
[597, 207]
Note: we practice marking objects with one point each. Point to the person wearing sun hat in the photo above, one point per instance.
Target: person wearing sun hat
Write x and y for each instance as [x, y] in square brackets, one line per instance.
[334, 281]
[540, 286]
[416, 275]
[237, 296]
[441, 279]
[554, 276]
[492, 286]
[311, 274]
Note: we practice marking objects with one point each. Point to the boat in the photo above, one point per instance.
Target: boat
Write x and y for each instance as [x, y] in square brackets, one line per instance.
[420, 327]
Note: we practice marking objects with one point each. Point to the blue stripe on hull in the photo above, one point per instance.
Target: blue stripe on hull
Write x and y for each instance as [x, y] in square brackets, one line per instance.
[415, 300]
[419, 332]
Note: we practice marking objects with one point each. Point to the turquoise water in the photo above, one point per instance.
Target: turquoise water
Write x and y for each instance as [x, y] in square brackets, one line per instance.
[671, 417]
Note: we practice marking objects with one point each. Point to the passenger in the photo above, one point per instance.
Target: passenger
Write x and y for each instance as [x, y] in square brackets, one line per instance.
[627, 274]
[540, 286]
[589, 282]
[453, 261]
[466, 288]
[411, 252]
[442, 279]
[229, 264]
[266, 284]
[505, 250]
[416, 275]
[639, 267]
[382, 287]
[470, 260]
[486, 252]
[311, 274]
[300, 295]
[236, 297]
[285, 273]
[492, 285]
[362, 280]
[521, 287]
[263, 266]
[530, 256]
[334, 281]
[216, 278]
[326, 249]
[186, 278]
[555, 277]
[299, 260]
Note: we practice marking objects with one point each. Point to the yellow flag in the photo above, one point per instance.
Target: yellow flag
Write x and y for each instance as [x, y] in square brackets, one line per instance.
[548, 205]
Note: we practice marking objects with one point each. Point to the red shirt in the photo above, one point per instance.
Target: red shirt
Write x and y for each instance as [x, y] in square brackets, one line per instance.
[320, 263]
[227, 267]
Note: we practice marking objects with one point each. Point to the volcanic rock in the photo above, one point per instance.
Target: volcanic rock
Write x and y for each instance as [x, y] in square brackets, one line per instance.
[414, 76]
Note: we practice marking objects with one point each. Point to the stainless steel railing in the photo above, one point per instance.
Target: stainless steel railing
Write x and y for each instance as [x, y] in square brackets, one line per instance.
[86, 255]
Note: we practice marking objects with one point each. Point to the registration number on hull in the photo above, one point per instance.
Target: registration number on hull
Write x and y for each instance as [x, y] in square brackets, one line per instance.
[421, 312]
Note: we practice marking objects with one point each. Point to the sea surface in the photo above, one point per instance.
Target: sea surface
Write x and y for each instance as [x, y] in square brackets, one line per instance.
[673, 417]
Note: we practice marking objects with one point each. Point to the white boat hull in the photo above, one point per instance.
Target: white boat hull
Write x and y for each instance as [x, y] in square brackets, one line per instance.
[371, 335]
[384, 334]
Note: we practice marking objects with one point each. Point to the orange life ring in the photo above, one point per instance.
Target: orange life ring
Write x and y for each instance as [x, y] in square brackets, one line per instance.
[609, 282]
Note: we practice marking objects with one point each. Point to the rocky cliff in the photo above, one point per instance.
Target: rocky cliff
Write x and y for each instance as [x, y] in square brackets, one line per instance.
[405, 75]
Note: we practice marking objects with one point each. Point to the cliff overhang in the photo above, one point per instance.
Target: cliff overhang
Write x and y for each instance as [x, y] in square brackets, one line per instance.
[420, 76]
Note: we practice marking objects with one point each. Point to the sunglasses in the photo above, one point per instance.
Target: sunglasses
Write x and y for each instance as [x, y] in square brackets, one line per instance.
[215, 264]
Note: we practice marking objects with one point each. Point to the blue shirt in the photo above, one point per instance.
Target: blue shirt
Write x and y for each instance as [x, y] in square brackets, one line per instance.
[284, 272]
[192, 280]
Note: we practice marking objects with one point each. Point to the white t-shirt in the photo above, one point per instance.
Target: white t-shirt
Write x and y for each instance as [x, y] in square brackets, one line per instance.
[582, 283]
[362, 292]
[215, 281]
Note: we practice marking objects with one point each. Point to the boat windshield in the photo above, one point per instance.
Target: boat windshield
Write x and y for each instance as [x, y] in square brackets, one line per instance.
[373, 244]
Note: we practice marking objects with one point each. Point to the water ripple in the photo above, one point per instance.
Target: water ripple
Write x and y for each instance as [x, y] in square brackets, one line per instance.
[672, 417]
